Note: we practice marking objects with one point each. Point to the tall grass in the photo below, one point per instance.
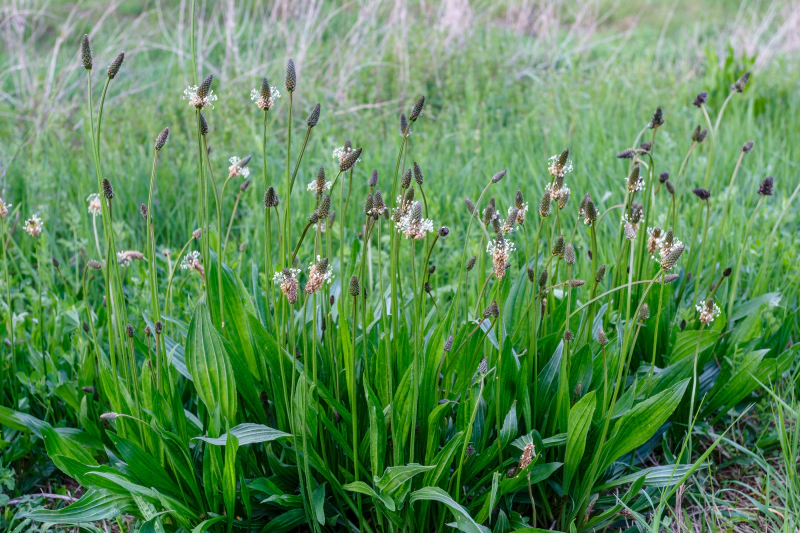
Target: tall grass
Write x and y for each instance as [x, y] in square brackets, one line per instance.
[348, 366]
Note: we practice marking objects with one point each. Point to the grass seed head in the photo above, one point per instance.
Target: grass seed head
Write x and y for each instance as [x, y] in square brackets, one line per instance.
[658, 118]
[444, 231]
[543, 279]
[143, 211]
[766, 186]
[417, 109]
[266, 91]
[696, 133]
[163, 137]
[405, 181]
[471, 263]
[448, 344]
[483, 368]
[86, 52]
[419, 177]
[741, 83]
[702, 136]
[663, 177]
[519, 200]
[313, 117]
[630, 231]
[544, 205]
[747, 147]
[427, 287]
[627, 153]
[669, 278]
[602, 340]
[470, 206]
[700, 99]
[563, 198]
[324, 208]
[703, 194]
[646, 146]
[113, 68]
[531, 274]
[670, 188]
[499, 176]
[271, 198]
[672, 258]
[368, 204]
[568, 335]
[129, 331]
[108, 190]
[403, 124]
[558, 247]
[148, 332]
[373, 178]
[574, 283]
[569, 254]
[644, 312]
[600, 274]
[205, 87]
[492, 311]
[94, 264]
[291, 77]
[355, 286]
[350, 159]
[727, 272]
[409, 197]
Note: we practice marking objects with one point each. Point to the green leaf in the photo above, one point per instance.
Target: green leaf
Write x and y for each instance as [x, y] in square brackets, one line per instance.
[509, 429]
[318, 501]
[229, 476]
[394, 477]
[753, 305]
[248, 434]
[363, 488]
[686, 343]
[93, 506]
[142, 466]
[580, 420]
[641, 422]
[464, 520]
[209, 365]
[203, 526]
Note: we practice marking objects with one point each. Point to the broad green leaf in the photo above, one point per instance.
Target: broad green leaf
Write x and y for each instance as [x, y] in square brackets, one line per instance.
[229, 476]
[248, 434]
[93, 506]
[580, 420]
[509, 429]
[363, 488]
[734, 384]
[394, 477]
[209, 365]
[641, 422]
[464, 520]
[686, 343]
[143, 466]
[753, 305]
[318, 501]
[655, 476]
[203, 526]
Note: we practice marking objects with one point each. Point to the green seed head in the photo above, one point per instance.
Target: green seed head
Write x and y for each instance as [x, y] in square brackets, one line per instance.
[113, 68]
[291, 77]
[86, 53]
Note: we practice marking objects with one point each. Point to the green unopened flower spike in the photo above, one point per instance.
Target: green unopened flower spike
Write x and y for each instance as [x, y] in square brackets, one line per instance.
[324, 208]
[86, 53]
[368, 205]
[113, 68]
[558, 247]
[600, 274]
[499, 176]
[543, 279]
[544, 205]
[470, 206]
[403, 124]
[471, 263]
[205, 87]
[405, 181]
[672, 258]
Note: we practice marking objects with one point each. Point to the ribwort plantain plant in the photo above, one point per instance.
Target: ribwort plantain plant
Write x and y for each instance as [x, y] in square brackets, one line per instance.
[488, 376]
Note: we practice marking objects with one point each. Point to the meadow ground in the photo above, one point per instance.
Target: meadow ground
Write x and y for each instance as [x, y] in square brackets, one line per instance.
[507, 85]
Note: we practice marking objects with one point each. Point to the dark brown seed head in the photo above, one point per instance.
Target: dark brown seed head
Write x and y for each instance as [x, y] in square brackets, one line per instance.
[355, 286]
[368, 204]
[696, 133]
[271, 198]
[324, 208]
[663, 177]
[483, 368]
[405, 181]
[444, 231]
[568, 335]
[531, 274]
[669, 278]
[379, 203]
[741, 83]
[313, 218]
[147, 331]
[702, 136]
[519, 200]
[427, 287]
[205, 87]
[492, 311]
[563, 158]
[558, 247]
[645, 147]
[113, 68]
[658, 118]
[418, 175]
[703, 194]
[320, 179]
[636, 212]
[670, 187]
[108, 190]
[129, 331]
[417, 109]
[163, 137]
[403, 124]
[313, 118]
[543, 279]
[143, 211]
[627, 153]
[496, 226]
[700, 99]
[266, 91]
[416, 212]
[575, 283]
[766, 186]
[86, 53]
[291, 77]
[409, 197]
[600, 274]
[94, 264]
[727, 272]
[544, 205]
[159, 327]
[672, 258]
[471, 263]
[747, 147]
[350, 160]
[500, 175]
[431, 270]
[373, 178]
